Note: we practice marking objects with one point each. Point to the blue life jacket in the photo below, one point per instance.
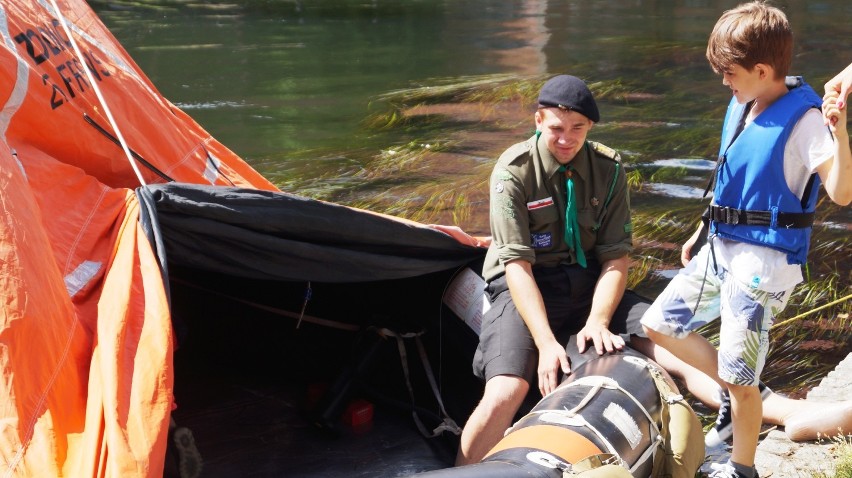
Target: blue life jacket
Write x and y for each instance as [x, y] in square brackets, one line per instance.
[750, 178]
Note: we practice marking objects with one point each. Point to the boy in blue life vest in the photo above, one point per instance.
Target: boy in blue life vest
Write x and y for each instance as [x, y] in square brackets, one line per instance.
[775, 151]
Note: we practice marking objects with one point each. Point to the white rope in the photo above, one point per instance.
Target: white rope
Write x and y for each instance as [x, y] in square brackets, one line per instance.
[649, 453]
[572, 414]
[597, 383]
[97, 89]
[606, 382]
[447, 423]
[596, 387]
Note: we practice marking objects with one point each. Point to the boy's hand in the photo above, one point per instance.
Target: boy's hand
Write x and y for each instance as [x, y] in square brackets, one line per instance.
[833, 113]
[686, 251]
[600, 336]
[551, 359]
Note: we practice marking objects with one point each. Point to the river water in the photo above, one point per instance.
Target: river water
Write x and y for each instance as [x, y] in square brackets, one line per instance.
[288, 85]
[294, 87]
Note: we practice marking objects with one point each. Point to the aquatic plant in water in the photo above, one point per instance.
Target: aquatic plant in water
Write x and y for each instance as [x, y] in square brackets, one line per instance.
[403, 186]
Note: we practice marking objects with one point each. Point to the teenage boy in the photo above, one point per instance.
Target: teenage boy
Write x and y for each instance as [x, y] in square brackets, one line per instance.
[557, 263]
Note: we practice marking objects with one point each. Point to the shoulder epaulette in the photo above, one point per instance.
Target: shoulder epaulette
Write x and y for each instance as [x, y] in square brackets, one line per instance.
[605, 151]
[514, 152]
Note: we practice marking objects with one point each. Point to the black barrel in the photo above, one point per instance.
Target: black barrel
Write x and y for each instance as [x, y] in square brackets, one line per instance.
[608, 408]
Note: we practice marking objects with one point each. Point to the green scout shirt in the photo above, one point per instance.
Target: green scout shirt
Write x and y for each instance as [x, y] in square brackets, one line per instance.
[528, 207]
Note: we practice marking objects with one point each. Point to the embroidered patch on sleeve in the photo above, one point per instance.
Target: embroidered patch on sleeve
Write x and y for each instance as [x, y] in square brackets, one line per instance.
[503, 175]
[505, 208]
[541, 239]
[628, 227]
[532, 206]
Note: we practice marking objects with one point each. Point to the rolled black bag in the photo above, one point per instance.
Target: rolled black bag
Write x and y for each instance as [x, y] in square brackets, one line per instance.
[604, 419]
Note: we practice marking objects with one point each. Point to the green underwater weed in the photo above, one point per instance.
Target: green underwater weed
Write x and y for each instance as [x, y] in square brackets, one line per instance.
[441, 90]
[403, 158]
[421, 205]
[394, 107]
[413, 180]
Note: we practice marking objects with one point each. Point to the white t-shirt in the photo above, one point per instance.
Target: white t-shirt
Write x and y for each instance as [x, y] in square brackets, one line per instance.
[810, 144]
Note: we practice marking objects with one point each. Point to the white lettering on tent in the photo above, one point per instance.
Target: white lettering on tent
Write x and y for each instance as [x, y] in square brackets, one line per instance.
[211, 170]
[81, 276]
[622, 420]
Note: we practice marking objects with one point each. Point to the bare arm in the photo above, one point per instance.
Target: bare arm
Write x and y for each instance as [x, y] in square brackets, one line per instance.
[528, 300]
[686, 251]
[608, 293]
[836, 173]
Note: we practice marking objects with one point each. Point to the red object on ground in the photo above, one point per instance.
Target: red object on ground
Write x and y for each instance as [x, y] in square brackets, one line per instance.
[358, 413]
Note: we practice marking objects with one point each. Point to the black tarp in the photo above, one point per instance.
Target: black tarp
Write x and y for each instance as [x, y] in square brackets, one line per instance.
[279, 236]
[238, 264]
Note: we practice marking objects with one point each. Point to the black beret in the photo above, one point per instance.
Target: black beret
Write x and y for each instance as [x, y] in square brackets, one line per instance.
[569, 93]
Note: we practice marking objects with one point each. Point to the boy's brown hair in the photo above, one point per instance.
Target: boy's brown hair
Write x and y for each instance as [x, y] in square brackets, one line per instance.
[749, 34]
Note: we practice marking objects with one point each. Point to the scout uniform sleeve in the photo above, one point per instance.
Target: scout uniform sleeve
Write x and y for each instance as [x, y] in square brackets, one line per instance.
[510, 226]
[615, 235]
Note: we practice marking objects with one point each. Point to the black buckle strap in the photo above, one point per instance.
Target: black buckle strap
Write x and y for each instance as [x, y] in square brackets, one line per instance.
[786, 220]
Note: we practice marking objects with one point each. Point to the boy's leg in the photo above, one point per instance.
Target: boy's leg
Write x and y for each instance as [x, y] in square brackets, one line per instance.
[492, 416]
[747, 411]
[699, 384]
[691, 300]
[802, 419]
[507, 356]
[694, 350]
[747, 315]
[505, 360]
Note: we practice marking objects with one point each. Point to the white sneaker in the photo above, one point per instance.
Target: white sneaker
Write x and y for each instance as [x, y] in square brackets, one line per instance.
[726, 470]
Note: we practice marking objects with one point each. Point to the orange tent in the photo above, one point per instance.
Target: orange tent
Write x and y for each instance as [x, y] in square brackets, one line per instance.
[85, 333]
[86, 341]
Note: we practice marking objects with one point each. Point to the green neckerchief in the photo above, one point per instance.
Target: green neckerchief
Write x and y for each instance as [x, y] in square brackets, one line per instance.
[572, 228]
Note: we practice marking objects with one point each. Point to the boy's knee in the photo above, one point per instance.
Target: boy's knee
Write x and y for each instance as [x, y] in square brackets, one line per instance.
[744, 392]
[505, 392]
[652, 333]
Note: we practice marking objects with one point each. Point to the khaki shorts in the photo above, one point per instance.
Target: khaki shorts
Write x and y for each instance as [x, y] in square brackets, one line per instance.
[506, 346]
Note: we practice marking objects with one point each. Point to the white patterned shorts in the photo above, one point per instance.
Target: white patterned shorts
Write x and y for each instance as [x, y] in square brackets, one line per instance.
[746, 313]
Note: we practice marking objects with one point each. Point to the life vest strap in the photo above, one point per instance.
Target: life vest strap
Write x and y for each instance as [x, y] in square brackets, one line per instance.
[785, 220]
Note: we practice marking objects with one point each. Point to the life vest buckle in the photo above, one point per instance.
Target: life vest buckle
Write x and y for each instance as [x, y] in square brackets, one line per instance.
[731, 216]
[723, 214]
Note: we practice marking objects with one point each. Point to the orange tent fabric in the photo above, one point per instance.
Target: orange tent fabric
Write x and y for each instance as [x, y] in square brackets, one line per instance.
[50, 103]
[85, 334]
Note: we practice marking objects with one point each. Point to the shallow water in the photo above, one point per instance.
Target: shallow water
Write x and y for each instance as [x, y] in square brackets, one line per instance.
[291, 86]
[288, 85]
